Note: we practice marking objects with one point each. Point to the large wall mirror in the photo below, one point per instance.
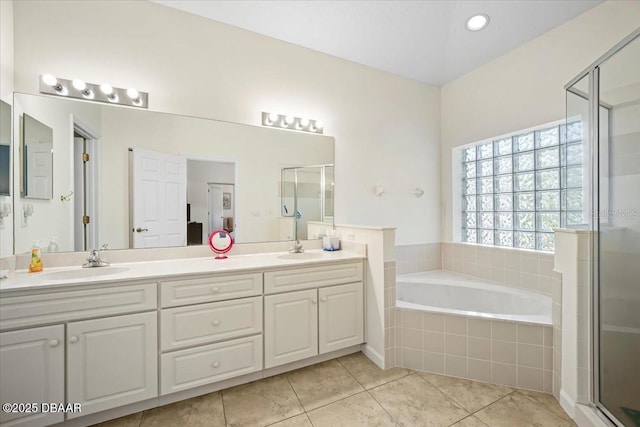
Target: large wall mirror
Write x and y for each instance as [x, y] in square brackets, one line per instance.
[5, 149]
[130, 178]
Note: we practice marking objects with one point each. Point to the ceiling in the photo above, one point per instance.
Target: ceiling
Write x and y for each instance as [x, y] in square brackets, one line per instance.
[424, 40]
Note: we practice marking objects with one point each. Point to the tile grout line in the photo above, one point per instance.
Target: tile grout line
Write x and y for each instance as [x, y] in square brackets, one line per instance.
[445, 395]
[495, 401]
[224, 410]
[380, 404]
[304, 410]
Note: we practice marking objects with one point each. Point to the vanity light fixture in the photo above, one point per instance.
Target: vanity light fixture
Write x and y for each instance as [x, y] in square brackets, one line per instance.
[477, 22]
[104, 92]
[290, 122]
[53, 82]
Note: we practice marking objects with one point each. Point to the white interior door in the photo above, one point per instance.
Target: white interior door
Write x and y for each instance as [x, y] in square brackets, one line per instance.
[39, 170]
[215, 207]
[159, 199]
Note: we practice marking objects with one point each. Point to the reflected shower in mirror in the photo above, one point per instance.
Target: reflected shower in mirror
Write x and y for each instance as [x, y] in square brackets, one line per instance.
[130, 178]
[307, 202]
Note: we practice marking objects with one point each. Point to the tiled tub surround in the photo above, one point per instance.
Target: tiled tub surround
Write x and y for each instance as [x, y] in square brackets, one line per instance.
[513, 268]
[418, 257]
[452, 293]
[501, 352]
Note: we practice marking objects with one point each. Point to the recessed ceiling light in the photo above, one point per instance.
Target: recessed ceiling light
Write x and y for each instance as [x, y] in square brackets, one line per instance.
[477, 22]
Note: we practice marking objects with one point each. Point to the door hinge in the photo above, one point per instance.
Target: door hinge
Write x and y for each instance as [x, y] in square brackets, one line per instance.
[86, 219]
[85, 157]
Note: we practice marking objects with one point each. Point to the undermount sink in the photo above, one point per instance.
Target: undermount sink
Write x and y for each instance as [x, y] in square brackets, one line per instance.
[84, 273]
[303, 255]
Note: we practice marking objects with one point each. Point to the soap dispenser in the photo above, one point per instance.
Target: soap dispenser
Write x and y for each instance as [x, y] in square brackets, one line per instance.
[53, 245]
[36, 258]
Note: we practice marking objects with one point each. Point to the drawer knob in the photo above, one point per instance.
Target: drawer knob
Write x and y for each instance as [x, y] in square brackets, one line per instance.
[54, 343]
[323, 299]
[73, 339]
[215, 289]
[215, 364]
[215, 322]
[313, 300]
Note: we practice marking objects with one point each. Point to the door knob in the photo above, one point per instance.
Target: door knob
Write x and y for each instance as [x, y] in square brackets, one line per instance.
[140, 230]
[313, 301]
[215, 323]
[53, 343]
[323, 299]
[73, 339]
[215, 364]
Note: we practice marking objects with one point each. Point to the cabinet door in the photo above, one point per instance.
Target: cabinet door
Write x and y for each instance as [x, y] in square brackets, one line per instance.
[290, 327]
[112, 361]
[32, 371]
[341, 317]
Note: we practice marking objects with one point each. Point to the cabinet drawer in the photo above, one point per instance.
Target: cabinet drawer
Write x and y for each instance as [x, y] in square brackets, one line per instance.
[183, 369]
[206, 323]
[207, 289]
[71, 305]
[311, 277]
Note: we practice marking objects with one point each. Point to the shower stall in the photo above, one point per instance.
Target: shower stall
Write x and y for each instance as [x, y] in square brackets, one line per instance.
[601, 188]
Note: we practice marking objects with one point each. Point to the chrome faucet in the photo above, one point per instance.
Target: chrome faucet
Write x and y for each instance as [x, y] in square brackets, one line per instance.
[296, 248]
[93, 260]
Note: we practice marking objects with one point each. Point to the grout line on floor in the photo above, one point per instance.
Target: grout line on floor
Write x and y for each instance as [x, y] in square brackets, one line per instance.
[444, 394]
[469, 416]
[383, 408]
[224, 410]
[304, 410]
[349, 372]
[495, 401]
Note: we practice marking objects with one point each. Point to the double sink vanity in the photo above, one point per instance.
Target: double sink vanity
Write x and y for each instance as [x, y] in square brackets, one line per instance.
[133, 336]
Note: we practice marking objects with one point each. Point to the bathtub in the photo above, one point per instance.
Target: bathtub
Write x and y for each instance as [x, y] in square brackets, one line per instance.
[445, 292]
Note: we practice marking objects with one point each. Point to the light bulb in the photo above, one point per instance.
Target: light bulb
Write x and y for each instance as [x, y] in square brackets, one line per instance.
[284, 124]
[87, 93]
[304, 122]
[113, 97]
[49, 80]
[133, 93]
[79, 84]
[106, 88]
[319, 124]
[290, 120]
[477, 22]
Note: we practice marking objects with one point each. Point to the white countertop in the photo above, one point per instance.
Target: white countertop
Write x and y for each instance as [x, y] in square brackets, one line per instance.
[23, 280]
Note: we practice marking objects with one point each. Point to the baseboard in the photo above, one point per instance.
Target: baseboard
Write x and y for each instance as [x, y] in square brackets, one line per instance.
[568, 404]
[373, 355]
[587, 416]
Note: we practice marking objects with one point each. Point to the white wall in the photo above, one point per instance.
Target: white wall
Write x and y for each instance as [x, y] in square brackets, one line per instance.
[525, 87]
[386, 127]
[6, 94]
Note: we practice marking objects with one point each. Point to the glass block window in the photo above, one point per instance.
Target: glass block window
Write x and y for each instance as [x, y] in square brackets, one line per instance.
[517, 189]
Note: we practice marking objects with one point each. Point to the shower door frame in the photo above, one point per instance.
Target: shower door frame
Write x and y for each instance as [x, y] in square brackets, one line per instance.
[593, 73]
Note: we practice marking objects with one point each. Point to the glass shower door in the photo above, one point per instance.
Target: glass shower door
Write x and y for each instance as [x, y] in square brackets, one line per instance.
[618, 236]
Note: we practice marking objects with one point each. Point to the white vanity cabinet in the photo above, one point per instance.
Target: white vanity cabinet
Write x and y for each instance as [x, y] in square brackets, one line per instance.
[110, 348]
[31, 371]
[140, 342]
[327, 315]
[211, 329]
[112, 361]
[290, 327]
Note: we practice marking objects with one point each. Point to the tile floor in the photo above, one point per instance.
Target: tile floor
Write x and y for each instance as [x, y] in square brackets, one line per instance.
[352, 391]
